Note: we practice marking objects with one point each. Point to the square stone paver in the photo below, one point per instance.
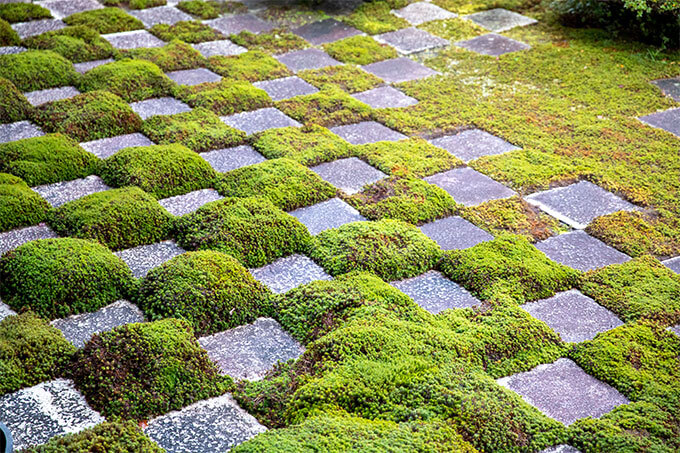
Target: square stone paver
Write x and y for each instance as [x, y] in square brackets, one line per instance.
[562, 448]
[259, 120]
[193, 77]
[349, 175]
[9, 240]
[574, 316]
[286, 88]
[326, 215]
[78, 329]
[187, 203]
[290, 272]
[5, 311]
[221, 47]
[472, 144]
[493, 45]
[227, 159]
[579, 204]
[160, 15]
[436, 293]
[469, 187]
[10, 50]
[499, 19]
[50, 95]
[455, 233]
[133, 39]
[385, 98]
[421, 12]
[581, 251]
[564, 392]
[213, 425]
[37, 27]
[90, 65]
[669, 87]
[62, 192]
[675, 329]
[233, 25]
[299, 60]
[673, 264]
[325, 31]
[142, 259]
[249, 351]
[36, 414]
[159, 106]
[106, 147]
[367, 132]
[10, 132]
[63, 8]
[399, 70]
[668, 120]
[411, 40]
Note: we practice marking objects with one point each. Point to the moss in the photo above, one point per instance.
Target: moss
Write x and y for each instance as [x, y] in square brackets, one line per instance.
[329, 107]
[414, 156]
[46, 159]
[23, 12]
[292, 16]
[359, 50]
[456, 29]
[274, 42]
[252, 66]
[19, 205]
[375, 17]
[59, 277]
[390, 249]
[143, 4]
[13, 105]
[251, 230]
[77, 43]
[132, 80]
[8, 37]
[285, 183]
[465, 7]
[174, 56]
[225, 97]
[118, 218]
[211, 291]
[161, 170]
[188, 31]
[199, 130]
[37, 70]
[105, 20]
[350, 78]
[211, 9]
[89, 116]
[140, 370]
[309, 146]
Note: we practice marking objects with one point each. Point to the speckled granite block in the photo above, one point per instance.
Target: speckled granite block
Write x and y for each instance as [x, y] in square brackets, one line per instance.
[160, 15]
[668, 120]
[385, 98]
[580, 251]
[78, 329]
[421, 12]
[50, 95]
[455, 233]
[286, 88]
[411, 40]
[212, 425]
[367, 132]
[290, 272]
[469, 187]
[499, 19]
[249, 351]
[399, 70]
[563, 448]
[259, 120]
[673, 264]
[10, 50]
[5, 311]
[233, 25]
[326, 215]
[472, 144]
[142, 259]
[669, 87]
[299, 60]
[12, 239]
[133, 39]
[193, 77]
[10, 132]
[493, 45]
[64, 8]
[564, 392]
[187, 203]
[37, 27]
[325, 31]
[349, 175]
[62, 192]
[436, 293]
[227, 159]
[106, 147]
[89, 65]
[221, 47]
[159, 106]
[36, 414]
[675, 329]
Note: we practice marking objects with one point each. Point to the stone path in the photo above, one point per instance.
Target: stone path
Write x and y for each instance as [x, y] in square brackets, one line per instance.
[580, 251]
[326, 215]
[107, 147]
[472, 144]
[146, 257]
[436, 293]
[259, 120]
[469, 187]
[290, 272]
[190, 202]
[455, 233]
[227, 159]
[12, 239]
[159, 106]
[61, 193]
[349, 175]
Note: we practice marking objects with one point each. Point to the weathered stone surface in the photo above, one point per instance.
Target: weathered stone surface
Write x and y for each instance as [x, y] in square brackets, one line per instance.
[10, 50]
[191, 77]
[133, 39]
[62, 192]
[50, 95]
[399, 70]
[9, 240]
[290, 272]
[325, 31]
[349, 175]
[89, 65]
[142, 259]
[563, 448]
[580, 251]
[411, 40]
[10, 132]
[326, 215]
[675, 329]
[499, 19]
[385, 97]
[493, 45]
[227, 159]
[106, 147]
[159, 106]
[668, 120]
[673, 264]
[299, 60]
[259, 120]
[37, 27]
[469, 187]
[63, 8]
[184, 204]
[455, 233]
[286, 88]
[669, 87]
[221, 47]
[472, 144]
[233, 25]
[421, 12]
[436, 293]
[367, 132]
[5, 311]
[160, 15]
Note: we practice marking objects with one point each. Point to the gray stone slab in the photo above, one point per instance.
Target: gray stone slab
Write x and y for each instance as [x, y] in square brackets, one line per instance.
[227, 159]
[499, 19]
[193, 77]
[10, 132]
[385, 98]
[159, 106]
[36, 414]
[50, 95]
[142, 259]
[5, 311]
[574, 316]
[564, 392]
[493, 45]
[259, 120]
[436, 293]
[107, 147]
[90, 65]
[160, 15]
[62, 192]
[286, 88]
[64, 8]
[473, 144]
[221, 47]
[562, 448]
[9, 240]
[37, 27]
[421, 12]
[470, 187]
[367, 132]
[349, 175]
[213, 425]
[673, 264]
[187, 203]
[299, 60]
[668, 120]
[133, 39]
[233, 25]
[325, 31]
[455, 233]
[580, 251]
[399, 70]
[290, 272]
[11, 50]
[326, 215]
[669, 87]
[411, 40]
[579, 204]
[78, 329]
[250, 351]
[675, 329]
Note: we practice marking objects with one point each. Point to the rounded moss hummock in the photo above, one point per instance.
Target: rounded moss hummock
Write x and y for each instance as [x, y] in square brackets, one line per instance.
[37, 70]
[191, 31]
[13, 104]
[225, 97]
[64, 276]
[105, 20]
[78, 44]
[251, 66]
[174, 56]
[309, 145]
[8, 37]
[19, 205]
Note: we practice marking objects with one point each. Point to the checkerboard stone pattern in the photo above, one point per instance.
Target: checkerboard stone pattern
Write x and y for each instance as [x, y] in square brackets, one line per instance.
[160, 15]
[142, 259]
[669, 87]
[259, 120]
[349, 175]
[290, 272]
[473, 144]
[159, 106]
[385, 97]
[411, 40]
[325, 31]
[673, 264]
[668, 120]
[469, 187]
[9, 240]
[326, 215]
[367, 132]
[579, 250]
[191, 77]
[133, 39]
[299, 60]
[455, 233]
[60, 193]
[564, 392]
[286, 88]
[436, 293]
[185, 204]
[36, 98]
[421, 12]
[227, 159]
[233, 25]
[499, 19]
[37, 27]
[221, 47]
[107, 147]
[10, 132]
[493, 45]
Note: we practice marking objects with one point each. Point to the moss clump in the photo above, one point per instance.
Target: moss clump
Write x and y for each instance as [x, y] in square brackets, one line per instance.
[309, 146]
[13, 105]
[23, 12]
[456, 29]
[391, 249]
[143, 4]
[415, 156]
[211, 9]
[274, 42]
[209, 290]
[60, 277]
[144, 369]
[132, 80]
[78, 43]
[251, 230]
[161, 170]
[188, 31]
[349, 78]
[199, 130]
[174, 56]
[329, 107]
[225, 97]
[46, 159]
[105, 20]
[285, 183]
[8, 37]
[360, 50]
[37, 70]
[252, 66]
[19, 205]
[375, 17]
[118, 218]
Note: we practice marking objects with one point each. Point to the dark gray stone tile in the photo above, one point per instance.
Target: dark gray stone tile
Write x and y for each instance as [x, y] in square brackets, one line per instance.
[325, 31]
[326, 215]
[10, 132]
[673, 264]
[62, 192]
[349, 175]
[187, 203]
[493, 45]
[50, 95]
[472, 144]
[89, 65]
[5, 311]
[37, 27]
[563, 448]
[259, 120]
[455, 233]
[63, 8]
[160, 15]
[669, 87]
[399, 70]
[227, 159]
[469, 187]
[12, 239]
[193, 77]
[421, 12]
[233, 25]
[222, 47]
[286, 88]
[367, 132]
[499, 19]
[580, 251]
[436, 293]
[133, 39]
[384, 98]
[299, 60]
[159, 106]
[106, 147]
[10, 50]
[411, 40]
[142, 259]
[668, 120]
[290, 272]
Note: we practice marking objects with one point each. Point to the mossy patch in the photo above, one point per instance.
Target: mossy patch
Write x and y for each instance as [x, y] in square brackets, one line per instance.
[23, 12]
[414, 156]
[8, 37]
[328, 107]
[37, 70]
[142, 4]
[105, 20]
[456, 29]
[274, 42]
[375, 17]
[78, 43]
[359, 50]
[132, 80]
[193, 32]
[211, 9]
[252, 66]
[174, 56]
[19, 205]
[347, 77]
[225, 97]
[13, 104]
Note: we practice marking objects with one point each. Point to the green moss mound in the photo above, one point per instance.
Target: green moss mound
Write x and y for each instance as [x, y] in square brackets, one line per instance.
[77, 43]
[105, 20]
[360, 50]
[37, 70]
[144, 369]
[59, 277]
[23, 12]
[309, 146]
[193, 32]
[142, 4]
[415, 156]
[46, 159]
[89, 116]
[274, 42]
[31, 351]
[210, 290]
[8, 37]
[162, 170]
[376, 17]
[118, 218]
[174, 56]
[132, 80]
[211, 9]
[285, 183]
[252, 230]
[329, 107]
[252, 66]
[347, 77]
[225, 97]
[391, 249]
[19, 205]
[13, 104]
